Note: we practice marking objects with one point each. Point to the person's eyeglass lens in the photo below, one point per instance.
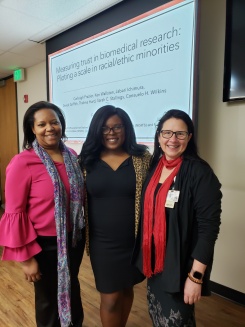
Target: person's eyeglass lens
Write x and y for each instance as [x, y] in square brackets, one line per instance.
[181, 135]
[116, 129]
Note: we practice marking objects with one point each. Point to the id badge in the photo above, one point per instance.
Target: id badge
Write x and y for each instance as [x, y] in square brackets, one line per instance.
[172, 197]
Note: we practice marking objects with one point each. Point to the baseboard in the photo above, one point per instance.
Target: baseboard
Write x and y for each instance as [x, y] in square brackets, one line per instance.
[228, 293]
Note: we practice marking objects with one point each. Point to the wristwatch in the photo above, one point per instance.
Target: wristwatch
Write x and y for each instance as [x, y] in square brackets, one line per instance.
[197, 275]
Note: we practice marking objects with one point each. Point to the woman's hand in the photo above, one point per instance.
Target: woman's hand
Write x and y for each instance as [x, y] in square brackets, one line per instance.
[192, 292]
[31, 270]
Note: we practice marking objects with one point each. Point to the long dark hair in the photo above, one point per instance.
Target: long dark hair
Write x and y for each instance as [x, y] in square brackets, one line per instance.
[28, 121]
[191, 149]
[92, 146]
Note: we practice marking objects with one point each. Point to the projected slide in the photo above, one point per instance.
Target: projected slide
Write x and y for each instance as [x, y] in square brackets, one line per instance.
[144, 66]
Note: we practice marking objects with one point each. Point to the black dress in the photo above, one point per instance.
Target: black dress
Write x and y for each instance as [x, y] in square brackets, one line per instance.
[111, 209]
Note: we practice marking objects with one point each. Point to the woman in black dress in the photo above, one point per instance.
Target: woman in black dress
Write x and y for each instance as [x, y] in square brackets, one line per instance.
[115, 167]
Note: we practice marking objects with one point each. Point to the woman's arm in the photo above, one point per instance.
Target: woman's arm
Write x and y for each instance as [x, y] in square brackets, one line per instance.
[207, 209]
[17, 233]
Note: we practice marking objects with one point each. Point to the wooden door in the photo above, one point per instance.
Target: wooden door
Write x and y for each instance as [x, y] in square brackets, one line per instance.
[8, 128]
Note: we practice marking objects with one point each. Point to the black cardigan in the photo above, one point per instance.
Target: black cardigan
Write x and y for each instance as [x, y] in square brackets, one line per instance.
[192, 226]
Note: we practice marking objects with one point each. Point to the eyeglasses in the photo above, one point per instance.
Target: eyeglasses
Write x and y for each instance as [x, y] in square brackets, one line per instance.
[181, 135]
[116, 129]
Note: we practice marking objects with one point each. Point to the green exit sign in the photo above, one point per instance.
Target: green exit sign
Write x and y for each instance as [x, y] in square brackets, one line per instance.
[19, 75]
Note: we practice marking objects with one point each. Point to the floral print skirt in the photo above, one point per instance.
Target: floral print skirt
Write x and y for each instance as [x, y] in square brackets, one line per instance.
[168, 309]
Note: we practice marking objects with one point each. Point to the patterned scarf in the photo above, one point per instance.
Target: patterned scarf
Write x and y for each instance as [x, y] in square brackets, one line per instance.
[76, 218]
[155, 217]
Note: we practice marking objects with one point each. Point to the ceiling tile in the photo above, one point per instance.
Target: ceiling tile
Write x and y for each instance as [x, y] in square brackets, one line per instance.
[20, 30]
[30, 49]
[49, 10]
[12, 61]
[25, 21]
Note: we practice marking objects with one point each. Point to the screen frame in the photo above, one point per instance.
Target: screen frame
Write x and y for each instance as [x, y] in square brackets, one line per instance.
[121, 12]
[229, 56]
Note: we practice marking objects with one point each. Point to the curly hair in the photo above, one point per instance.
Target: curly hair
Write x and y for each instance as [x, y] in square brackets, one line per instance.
[92, 146]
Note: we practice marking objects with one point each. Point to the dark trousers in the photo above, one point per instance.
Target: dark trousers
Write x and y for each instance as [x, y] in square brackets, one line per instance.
[46, 306]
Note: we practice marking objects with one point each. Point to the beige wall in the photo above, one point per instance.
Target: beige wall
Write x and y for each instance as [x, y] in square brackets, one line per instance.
[220, 139]
[35, 87]
[221, 143]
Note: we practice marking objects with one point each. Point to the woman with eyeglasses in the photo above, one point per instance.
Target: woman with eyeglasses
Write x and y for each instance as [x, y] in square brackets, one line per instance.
[181, 207]
[114, 167]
